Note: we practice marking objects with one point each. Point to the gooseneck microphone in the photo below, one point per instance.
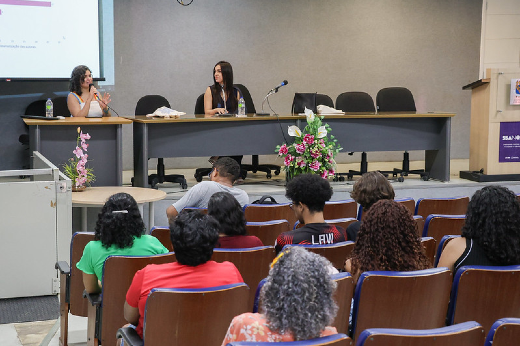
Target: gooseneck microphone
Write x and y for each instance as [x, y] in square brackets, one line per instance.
[99, 98]
[272, 91]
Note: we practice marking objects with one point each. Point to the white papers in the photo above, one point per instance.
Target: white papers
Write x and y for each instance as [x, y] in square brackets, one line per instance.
[166, 112]
[322, 109]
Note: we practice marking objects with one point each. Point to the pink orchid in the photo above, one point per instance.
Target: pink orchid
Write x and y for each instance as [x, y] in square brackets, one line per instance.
[84, 136]
[315, 165]
[300, 148]
[84, 146]
[78, 152]
[283, 150]
[309, 139]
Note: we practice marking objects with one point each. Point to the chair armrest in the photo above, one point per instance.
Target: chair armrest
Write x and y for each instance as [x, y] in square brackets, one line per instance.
[93, 298]
[63, 267]
[130, 336]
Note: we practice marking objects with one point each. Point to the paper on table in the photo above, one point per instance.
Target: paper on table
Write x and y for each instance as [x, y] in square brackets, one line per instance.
[322, 109]
[166, 112]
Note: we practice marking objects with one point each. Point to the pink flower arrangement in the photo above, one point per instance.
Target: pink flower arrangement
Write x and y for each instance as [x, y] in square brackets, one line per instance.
[315, 165]
[300, 148]
[76, 168]
[308, 139]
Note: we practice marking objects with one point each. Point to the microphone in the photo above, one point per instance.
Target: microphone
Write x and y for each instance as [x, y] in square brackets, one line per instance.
[275, 89]
[90, 87]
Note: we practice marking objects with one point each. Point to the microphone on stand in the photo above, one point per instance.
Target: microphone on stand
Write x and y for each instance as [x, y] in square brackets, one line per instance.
[272, 91]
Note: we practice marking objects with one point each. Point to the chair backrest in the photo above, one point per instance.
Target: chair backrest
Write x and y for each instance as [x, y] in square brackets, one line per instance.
[252, 263]
[447, 206]
[250, 106]
[336, 253]
[322, 99]
[60, 107]
[419, 221]
[269, 212]
[442, 244]
[268, 231]
[149, 104]
[395, 99]
[78, 305]
[414, 300]
[118, 272]
[200, 210]
[330, 340]
[36, 108]
[430, 247]
[467, 333]
[437, 225]
[199, 105]
[485, 294]
[344, 222]
[163, 235]
[408, 202]
[504, 332]
[340, 209]
[355, 102]
[192, 316]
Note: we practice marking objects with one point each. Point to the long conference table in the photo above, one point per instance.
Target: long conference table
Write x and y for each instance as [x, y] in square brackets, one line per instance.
[200, 135]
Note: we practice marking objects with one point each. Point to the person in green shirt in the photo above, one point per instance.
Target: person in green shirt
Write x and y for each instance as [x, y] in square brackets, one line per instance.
[119, 231]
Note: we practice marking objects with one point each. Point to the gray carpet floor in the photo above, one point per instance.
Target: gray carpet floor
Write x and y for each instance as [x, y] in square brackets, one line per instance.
[29, 309]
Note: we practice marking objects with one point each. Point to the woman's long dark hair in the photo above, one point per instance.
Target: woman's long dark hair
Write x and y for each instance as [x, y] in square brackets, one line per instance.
[227, 79]
[77, 77]
[227, 211]
[119, 222]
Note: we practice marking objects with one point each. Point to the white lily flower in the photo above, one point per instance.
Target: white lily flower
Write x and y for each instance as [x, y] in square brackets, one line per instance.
[309, 114]
[294, 131]
[322, 132]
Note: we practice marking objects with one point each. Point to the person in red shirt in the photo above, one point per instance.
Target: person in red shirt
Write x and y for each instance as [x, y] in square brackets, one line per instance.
[225, 208]
[193, 236]
[308, 193]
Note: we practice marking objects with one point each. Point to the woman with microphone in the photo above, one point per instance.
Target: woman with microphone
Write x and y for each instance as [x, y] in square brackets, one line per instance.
[84, 99]
[221, 97]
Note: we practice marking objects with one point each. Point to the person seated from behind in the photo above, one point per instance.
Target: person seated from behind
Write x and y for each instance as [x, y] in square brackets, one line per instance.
[296, 302]
[308, 193]
[193, 237]
[224, 173]
[370, 188]
[119, 231]
[387, 240]
[491, 233]
[228, 212]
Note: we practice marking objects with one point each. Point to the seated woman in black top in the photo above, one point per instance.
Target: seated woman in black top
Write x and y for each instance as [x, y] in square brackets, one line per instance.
[491, 234]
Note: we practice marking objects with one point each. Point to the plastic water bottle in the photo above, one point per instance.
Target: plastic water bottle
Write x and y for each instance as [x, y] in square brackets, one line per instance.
[48, 108]
[242, 107]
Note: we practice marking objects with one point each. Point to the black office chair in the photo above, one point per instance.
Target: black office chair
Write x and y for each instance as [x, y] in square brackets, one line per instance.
[34, 108]
[255, 166]
[60, 107]
[322, 99]
[399, 99]
[146, 105]
[355, 102]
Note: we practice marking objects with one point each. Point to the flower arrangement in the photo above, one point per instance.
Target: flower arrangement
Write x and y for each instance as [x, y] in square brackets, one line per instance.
[75, 167]
[312, 151]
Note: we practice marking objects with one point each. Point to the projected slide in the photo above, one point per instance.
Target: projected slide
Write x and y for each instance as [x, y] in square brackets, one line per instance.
[46, 39]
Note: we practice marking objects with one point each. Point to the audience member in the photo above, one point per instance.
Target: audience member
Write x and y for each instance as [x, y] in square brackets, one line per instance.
[370, 188]
[491, 233]
[193, 236]
[119, 231]
[224, 173]
[308, 193]
[387, 240]
[232, 232]
[296, 302]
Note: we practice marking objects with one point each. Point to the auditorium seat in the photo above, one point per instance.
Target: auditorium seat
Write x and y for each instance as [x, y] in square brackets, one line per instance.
[447, 206]
[438, 225]
[267, 231]
[147, 105]
[430, 246]
[336, 253]
[408, 202]
[268, 212]
[340, 209]
[330, 340]
[163, 235]
[504, 332]
[485, 294]
[343, 222]
[187, 317]
[105, 311]
[464, 334]
[442, 244]
[412, 300]
[71, 284]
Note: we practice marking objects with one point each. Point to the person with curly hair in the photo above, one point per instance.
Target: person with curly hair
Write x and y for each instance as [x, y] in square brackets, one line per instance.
[194, 236]
[370, 188]
[224, 173]
[308, 193]
[119, 231]
[491, 233]
[296, 302]
[387, 240]
[84, 99]
[228, 212]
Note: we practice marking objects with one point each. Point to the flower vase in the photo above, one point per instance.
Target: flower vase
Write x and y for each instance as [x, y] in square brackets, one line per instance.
[78, 188]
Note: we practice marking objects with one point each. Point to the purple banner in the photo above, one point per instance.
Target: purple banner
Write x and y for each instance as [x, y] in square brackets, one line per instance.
[509, 145]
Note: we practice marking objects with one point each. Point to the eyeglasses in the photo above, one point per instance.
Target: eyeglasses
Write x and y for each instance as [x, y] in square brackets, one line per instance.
[212, 169]
[291, 205]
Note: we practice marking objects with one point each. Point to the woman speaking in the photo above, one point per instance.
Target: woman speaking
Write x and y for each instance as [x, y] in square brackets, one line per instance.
[84, 99]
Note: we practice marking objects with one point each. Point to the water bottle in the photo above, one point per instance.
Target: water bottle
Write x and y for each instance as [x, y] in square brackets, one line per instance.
[48, 108]
[242, 107]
